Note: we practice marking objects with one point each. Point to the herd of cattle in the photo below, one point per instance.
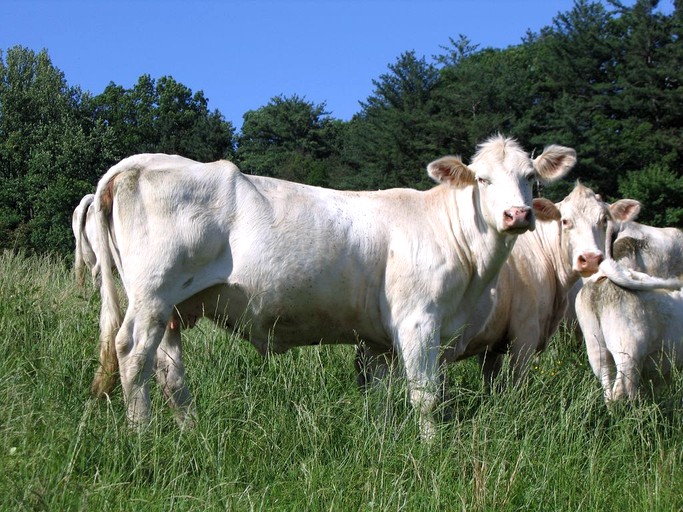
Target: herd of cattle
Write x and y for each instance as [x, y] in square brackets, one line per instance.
[473, 266]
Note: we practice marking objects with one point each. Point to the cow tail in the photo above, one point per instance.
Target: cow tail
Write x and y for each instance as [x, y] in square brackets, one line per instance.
[79, 233]
[637, 281]
[110, 313]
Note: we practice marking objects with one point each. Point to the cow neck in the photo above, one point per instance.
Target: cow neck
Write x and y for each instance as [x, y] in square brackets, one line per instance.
[476, 243]
[549, 236]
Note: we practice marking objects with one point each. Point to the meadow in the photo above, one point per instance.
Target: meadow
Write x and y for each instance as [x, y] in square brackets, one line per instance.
[293, 432]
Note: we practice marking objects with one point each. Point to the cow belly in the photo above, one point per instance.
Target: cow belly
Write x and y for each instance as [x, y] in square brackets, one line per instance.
[276, 322]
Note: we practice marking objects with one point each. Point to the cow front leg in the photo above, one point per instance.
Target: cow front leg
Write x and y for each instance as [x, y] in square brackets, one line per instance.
[419, 348]
[599, 357]
[491, 364]
[627, 378]
[373, 366]
[170, 374]
[136, 344]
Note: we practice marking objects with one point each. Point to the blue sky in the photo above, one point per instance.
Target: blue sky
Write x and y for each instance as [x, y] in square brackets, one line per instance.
[242, 53]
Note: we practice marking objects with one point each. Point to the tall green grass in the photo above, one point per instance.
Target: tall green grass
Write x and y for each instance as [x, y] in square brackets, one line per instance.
[292, 432]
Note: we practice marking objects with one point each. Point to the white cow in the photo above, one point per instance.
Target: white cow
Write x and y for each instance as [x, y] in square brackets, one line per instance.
[633, 327]
[533, 288]
[84, 234]
[289, 264]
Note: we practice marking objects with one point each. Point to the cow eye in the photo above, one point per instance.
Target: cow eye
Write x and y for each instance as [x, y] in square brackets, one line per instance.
[566, 223]
[531, 178]
[483, 181]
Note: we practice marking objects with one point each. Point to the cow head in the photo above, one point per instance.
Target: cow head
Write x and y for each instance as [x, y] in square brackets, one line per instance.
[503, 175]
[583, 221]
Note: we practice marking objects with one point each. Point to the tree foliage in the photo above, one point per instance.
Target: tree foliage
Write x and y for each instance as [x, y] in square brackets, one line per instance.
[290, 138]
[164, 116]
[388, 140]
[603, 78]
[660, 191]
[55, 142]
[49, 152]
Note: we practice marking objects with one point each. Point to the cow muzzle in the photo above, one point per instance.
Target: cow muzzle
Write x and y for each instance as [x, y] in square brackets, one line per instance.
[588, 263]
[518, 219]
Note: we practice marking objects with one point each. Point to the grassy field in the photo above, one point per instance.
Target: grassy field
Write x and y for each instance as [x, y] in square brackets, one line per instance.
[293, 432]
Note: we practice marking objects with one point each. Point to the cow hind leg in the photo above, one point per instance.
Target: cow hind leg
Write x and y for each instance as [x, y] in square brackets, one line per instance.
[136, 344]
[170, 374]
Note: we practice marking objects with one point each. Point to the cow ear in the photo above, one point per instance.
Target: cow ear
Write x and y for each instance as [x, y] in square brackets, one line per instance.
[451, 170]
[624, 209]
[545, 209]
[554, 163]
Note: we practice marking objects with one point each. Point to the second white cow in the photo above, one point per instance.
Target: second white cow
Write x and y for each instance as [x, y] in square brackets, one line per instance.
[531, 295]
[84, 235]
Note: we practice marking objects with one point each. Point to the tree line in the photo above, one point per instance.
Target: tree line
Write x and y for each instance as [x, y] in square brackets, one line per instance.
[606, 81]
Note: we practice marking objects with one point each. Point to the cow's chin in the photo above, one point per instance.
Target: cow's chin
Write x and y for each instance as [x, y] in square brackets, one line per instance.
[518, 229]
[586, 273]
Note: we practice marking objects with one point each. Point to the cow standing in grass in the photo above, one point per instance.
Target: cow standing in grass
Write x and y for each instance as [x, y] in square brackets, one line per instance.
[631, 312]
[289, 264]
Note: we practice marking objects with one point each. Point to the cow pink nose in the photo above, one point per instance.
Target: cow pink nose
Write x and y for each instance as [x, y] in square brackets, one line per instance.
[517, 217]
[589, 262]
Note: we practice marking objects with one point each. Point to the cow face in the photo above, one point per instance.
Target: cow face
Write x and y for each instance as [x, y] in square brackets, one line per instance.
[503, 175]
[583, 219]
[583, 222]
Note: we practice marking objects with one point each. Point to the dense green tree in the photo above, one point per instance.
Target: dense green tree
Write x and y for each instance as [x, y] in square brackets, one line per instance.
[391, 140]
[570, 83]
[289, 138]
[164, 116]
[49, 153]
[659, 190]
[55, 142]
[604, 82]
[648, 102]
[484, 93]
